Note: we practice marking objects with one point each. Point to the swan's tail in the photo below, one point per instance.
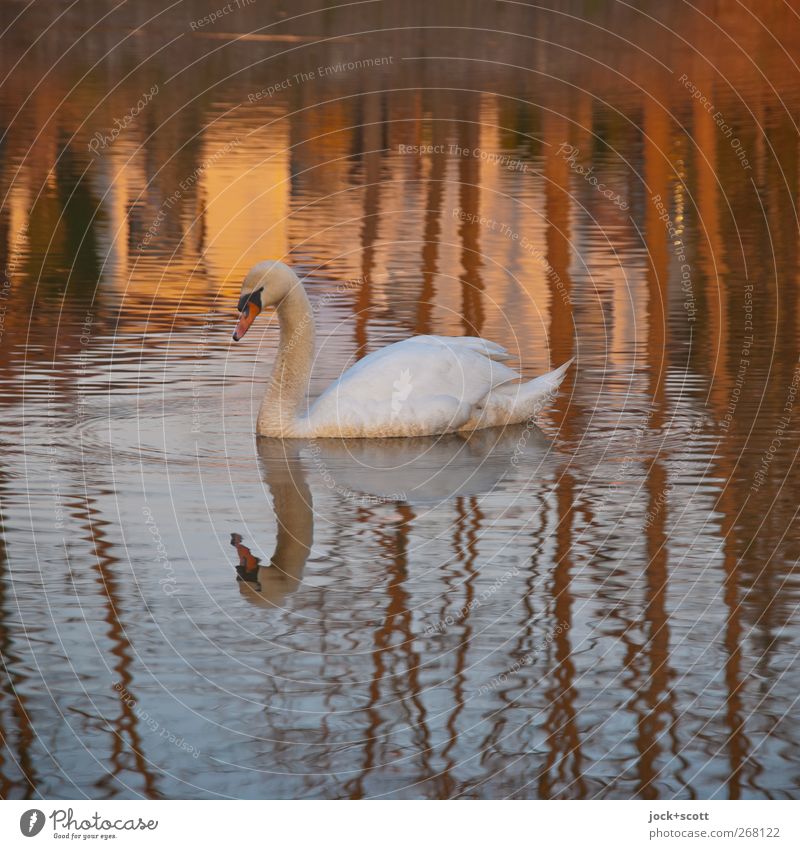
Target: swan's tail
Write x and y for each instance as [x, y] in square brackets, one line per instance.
[549, 383]
[512, 403]
[536, 394]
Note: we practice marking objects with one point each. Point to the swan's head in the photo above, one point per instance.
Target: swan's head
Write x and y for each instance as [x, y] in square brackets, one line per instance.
[265, 285]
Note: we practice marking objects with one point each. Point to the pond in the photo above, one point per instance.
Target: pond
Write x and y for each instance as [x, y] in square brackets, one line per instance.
[603, 605]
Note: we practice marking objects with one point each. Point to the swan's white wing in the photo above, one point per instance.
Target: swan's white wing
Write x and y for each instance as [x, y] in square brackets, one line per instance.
[422, 385]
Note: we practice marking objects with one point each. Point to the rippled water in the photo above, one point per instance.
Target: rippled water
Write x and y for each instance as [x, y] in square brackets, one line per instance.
[601, 606]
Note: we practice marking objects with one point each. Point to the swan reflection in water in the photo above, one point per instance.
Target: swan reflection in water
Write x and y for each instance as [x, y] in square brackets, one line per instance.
[269, 584]
[428, 471]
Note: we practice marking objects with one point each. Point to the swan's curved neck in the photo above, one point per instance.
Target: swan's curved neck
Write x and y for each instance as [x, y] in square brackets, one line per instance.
[280, 413]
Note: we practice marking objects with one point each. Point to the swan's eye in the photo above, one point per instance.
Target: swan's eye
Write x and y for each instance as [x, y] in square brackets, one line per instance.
[255, 297]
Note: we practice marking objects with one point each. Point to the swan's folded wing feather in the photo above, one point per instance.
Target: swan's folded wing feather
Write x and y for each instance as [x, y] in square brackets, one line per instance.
[427, 384]
[474, 343]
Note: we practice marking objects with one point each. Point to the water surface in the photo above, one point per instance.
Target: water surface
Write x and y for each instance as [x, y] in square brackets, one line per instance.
[604, 605]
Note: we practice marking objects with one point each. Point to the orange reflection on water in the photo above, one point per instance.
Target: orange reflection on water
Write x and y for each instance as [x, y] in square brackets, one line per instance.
[650, 532]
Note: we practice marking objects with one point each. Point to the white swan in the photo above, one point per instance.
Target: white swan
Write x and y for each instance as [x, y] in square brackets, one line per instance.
[421, 386]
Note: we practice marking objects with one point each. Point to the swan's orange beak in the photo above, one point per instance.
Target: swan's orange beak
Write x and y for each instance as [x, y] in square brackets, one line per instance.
[246, 318]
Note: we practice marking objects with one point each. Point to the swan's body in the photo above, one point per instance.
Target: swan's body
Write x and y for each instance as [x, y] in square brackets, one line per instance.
[421, 386]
